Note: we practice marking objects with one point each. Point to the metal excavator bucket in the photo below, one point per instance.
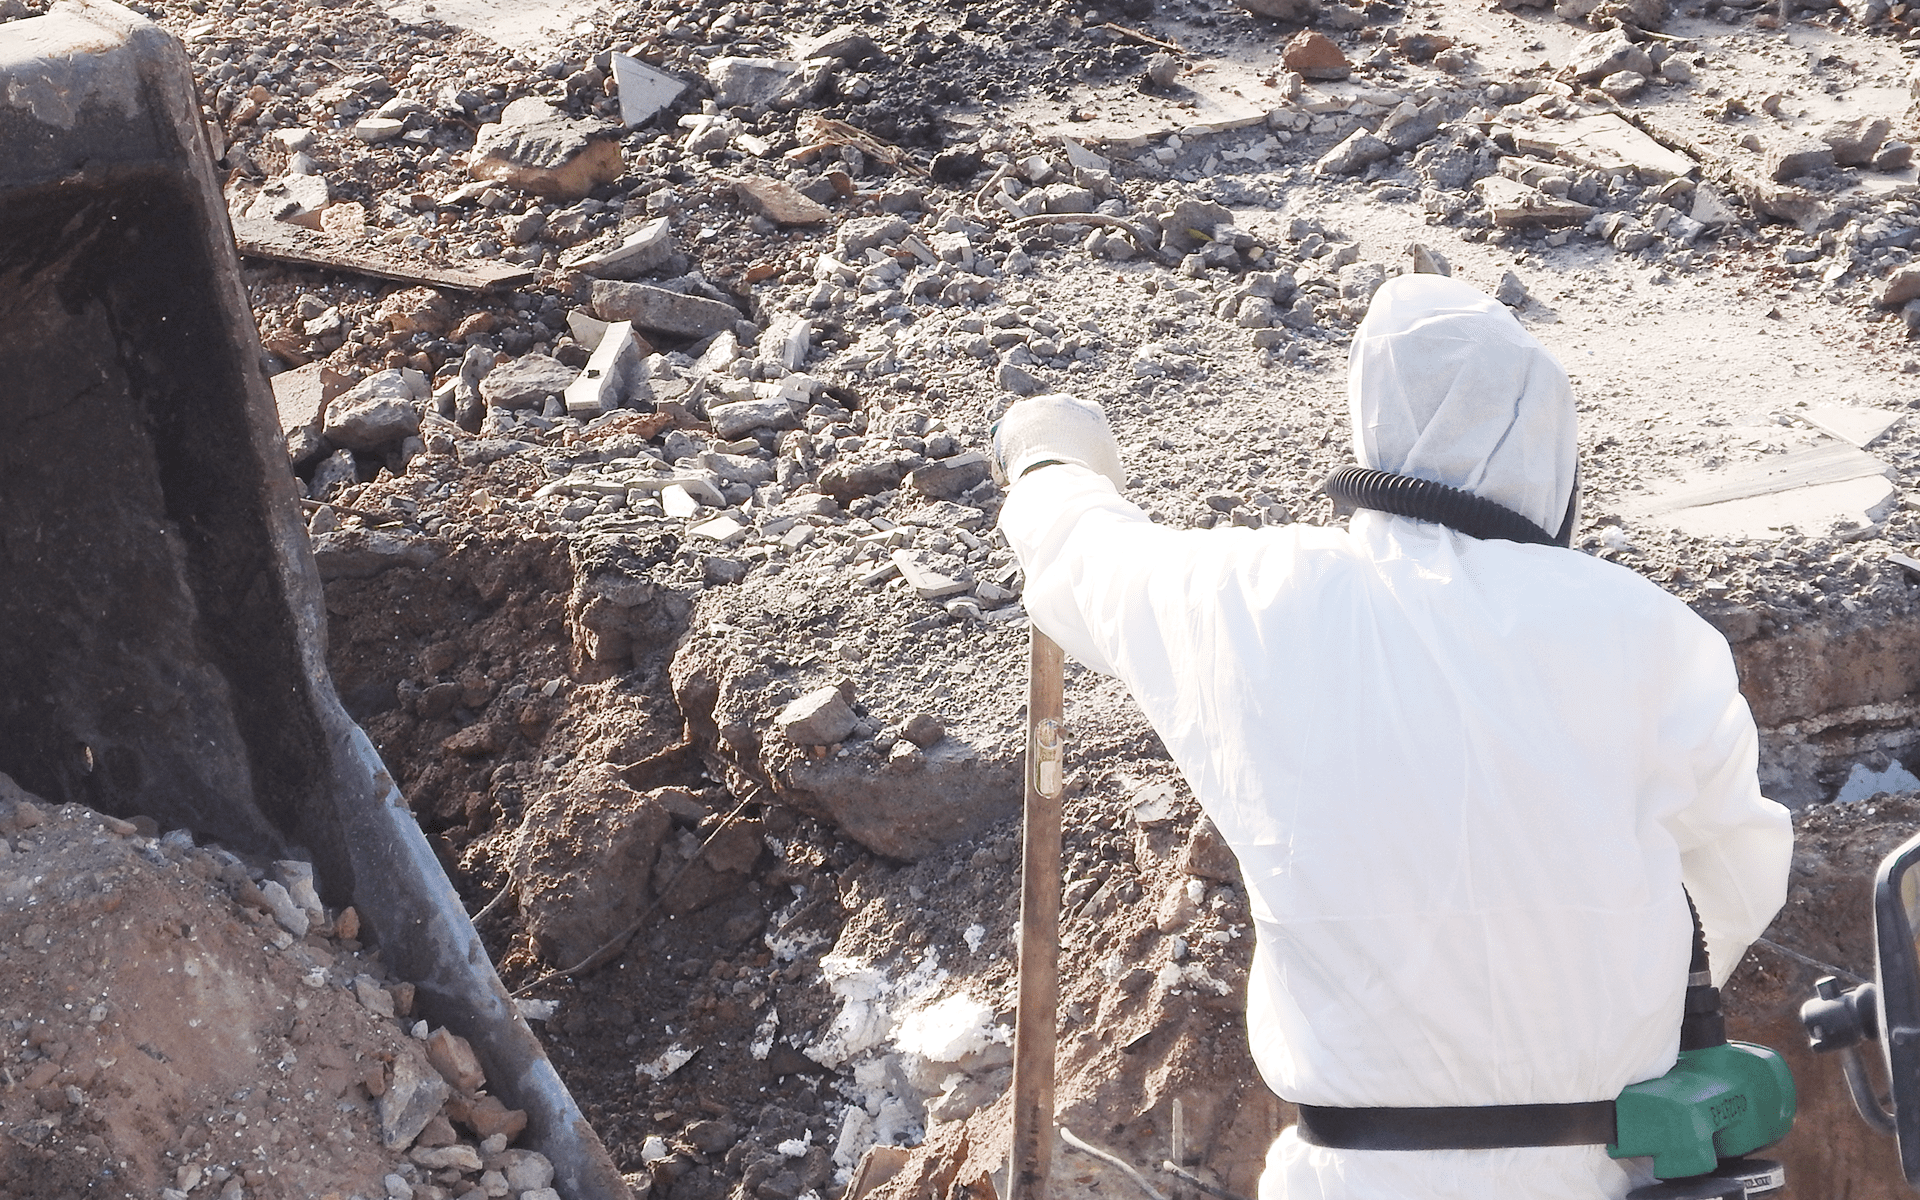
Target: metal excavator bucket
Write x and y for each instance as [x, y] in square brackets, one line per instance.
[161, 627]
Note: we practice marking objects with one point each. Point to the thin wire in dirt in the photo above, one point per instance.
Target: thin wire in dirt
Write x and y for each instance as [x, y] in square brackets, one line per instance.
[1068, 1136]
[1806, 960]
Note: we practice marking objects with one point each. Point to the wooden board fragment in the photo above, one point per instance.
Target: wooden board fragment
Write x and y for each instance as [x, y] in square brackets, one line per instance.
[281, 242]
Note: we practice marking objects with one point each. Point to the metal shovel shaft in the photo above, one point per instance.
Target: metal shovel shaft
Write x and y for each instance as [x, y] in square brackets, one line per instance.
[1035, 1019]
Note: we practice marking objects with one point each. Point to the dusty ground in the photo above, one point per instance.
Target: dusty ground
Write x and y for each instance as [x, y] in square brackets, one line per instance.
[580, 693]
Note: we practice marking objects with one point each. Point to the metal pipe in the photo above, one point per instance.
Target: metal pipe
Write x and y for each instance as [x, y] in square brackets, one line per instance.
[1035, 1017]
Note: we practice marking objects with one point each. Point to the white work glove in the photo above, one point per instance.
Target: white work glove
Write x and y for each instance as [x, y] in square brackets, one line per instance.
[1056, 428]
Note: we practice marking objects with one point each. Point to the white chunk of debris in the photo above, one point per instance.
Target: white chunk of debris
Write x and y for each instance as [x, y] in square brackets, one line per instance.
[670, 1060]
[975, 935]
[763, 1035]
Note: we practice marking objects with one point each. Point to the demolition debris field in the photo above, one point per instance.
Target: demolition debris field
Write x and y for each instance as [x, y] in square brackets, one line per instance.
[721, 640]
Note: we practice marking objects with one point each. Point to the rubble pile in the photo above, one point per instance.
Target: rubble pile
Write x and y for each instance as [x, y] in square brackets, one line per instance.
[202, 1026]
[638, 381]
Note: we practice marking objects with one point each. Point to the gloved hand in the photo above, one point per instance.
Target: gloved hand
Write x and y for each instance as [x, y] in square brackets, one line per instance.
[1060, 428]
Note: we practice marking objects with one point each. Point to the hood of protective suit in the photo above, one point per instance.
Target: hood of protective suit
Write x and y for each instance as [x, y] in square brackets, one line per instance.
[1443, 384]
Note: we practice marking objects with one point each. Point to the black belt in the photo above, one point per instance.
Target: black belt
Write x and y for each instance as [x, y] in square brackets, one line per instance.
[1491, 1127]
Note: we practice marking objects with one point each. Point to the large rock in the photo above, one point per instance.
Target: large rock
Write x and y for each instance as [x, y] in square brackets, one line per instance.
[582, 862]
[526, 382]
[378, 411]
[1794, 159]
[1856, 141]
[414, 1095]
[537, 149]
[662, 310]
[1315, 56]
[757, 83]
[1606, 54]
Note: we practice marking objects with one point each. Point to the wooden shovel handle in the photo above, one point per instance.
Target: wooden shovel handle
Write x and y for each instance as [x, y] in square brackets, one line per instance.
[1036, 1017]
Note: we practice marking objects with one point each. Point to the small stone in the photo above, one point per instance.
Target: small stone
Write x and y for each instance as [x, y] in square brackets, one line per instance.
[743, 417]
[1901, 286]
[1608, 53]
[1355, 154]
[456, 1157]
[1511, 291]
[1623, 85]
[1893, 155]
[375, 130]
[291, 916]
[1016, 380]
[526, 382]
[923, 730]
[950, 478]
[527, 1170]
[1315, 56]
[374, 998]
[1299, 11]
[377, 412]
[414, 1094]
[453, 1056]
[1162, 70]
[780, 202]
[822, 717]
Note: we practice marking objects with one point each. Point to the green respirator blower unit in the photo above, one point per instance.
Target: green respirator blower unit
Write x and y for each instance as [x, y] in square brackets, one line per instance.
[1721, 1102]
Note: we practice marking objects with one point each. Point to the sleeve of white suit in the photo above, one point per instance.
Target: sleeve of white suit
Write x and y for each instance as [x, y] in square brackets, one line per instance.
[1736, 846]
[1088, 556]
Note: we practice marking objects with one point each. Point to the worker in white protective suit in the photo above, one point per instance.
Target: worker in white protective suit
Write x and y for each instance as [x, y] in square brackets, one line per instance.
[1466, 777]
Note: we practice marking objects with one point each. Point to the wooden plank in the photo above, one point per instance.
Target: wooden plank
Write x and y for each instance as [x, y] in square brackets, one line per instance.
[1828, 462]
[281, 242]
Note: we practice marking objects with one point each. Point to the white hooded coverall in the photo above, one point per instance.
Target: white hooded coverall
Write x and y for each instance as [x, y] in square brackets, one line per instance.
[1465, 779]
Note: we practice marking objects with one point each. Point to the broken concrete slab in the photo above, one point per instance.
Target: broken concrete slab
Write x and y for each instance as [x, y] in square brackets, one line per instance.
[1815, 509]
[1810, 489]
[536, 148]
[294, 199]
[643, 252]
[743, 417]
[645, 92]
[1514, 205]
[281, 242]
[661, 310]
[1859, 425]
[923, 578]
[1602, 142]
[779, 201]
[610, 375]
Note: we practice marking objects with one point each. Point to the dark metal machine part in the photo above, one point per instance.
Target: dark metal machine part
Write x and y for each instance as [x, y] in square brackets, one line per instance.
[162, 637]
